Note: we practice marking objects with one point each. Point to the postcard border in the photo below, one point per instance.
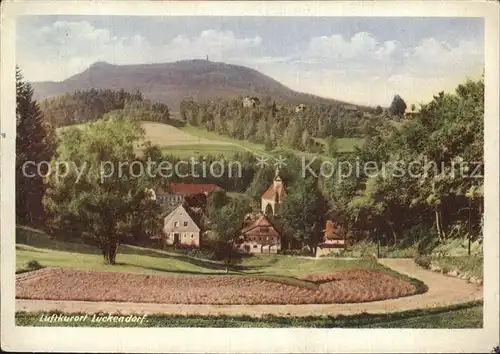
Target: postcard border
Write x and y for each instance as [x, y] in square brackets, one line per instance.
[243, 340]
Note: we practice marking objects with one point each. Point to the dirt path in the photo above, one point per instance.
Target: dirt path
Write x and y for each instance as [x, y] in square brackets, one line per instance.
[443, 291]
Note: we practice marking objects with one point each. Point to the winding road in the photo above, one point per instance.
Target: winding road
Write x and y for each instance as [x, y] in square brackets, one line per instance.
[443, 291]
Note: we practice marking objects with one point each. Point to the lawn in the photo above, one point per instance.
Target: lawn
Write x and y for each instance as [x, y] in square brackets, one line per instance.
[287, 274]
[33, 245]
[190, 141]
[212, 136]
[344, 144]
[468, 315]
[197, 150]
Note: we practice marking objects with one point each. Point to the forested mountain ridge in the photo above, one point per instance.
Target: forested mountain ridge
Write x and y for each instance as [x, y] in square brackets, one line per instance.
[91, 105]
[284, 125]
[170, 83]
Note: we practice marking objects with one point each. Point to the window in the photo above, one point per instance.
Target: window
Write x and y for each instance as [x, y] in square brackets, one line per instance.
[176, 224]
[185, 223]
[264, 229]
[192, 236]
[254, 246]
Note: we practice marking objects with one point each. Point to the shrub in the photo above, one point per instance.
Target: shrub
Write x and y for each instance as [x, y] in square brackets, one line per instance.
[191, 251]
[423, 261]
[33, 265]
[29, 266]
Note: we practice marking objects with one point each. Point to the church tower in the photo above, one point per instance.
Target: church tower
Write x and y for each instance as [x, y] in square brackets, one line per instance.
[277, 182]
[272, 197]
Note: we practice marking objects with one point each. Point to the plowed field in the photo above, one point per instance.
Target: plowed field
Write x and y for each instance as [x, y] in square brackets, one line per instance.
[348, 286]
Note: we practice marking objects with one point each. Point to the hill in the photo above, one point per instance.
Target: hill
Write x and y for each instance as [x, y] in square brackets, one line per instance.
[170, 83]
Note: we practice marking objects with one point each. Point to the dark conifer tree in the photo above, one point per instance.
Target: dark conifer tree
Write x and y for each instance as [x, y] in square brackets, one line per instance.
[35, 142]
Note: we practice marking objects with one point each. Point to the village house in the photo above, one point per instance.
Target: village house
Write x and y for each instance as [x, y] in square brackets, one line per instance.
[300, 108]
[350, 107]
[271, 198]
[411, 113]
[333, 240]
[259, 236]
[250, 101]
[183, 226]
[177, 193]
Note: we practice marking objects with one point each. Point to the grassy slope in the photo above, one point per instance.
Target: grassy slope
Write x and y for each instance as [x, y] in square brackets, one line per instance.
[344, 144]
[188, 151]
[472, 265]
[34, 245]
[469, 315]
[242, 144]
[190, 141]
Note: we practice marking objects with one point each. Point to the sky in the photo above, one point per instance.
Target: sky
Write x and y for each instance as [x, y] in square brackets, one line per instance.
[364, 60]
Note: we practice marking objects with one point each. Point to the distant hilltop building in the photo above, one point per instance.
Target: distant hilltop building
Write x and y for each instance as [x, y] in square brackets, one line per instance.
[411, 113]
[271, 198]
[350, 107]
[250, 101]
[300, 108]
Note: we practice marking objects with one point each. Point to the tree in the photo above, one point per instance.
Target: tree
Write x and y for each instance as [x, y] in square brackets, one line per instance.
[306, 140]
[262, 131]
[301, 213]
[35, 144]
[398, 106]
[378, 110]
[226, 222]
[260, 182]
[110, 200]
[292, 135]
[331, 146]
[183, 109]
[217, 200]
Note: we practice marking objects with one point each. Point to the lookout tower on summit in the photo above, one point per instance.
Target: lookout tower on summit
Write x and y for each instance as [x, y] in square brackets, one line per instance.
[271, 198]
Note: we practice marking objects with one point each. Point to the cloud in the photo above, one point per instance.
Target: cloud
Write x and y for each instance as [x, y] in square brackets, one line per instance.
[361, 68]
[363, 51]
[441, 54]
[362, 45]
[367, 70]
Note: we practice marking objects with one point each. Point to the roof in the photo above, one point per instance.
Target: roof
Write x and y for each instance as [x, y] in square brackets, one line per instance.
[262, 221]
[273, 190]
[331, 231]
[186, 189]
[195, 215]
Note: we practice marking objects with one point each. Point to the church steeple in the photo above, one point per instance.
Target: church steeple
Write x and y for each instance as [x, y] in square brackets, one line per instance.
[277, 179]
